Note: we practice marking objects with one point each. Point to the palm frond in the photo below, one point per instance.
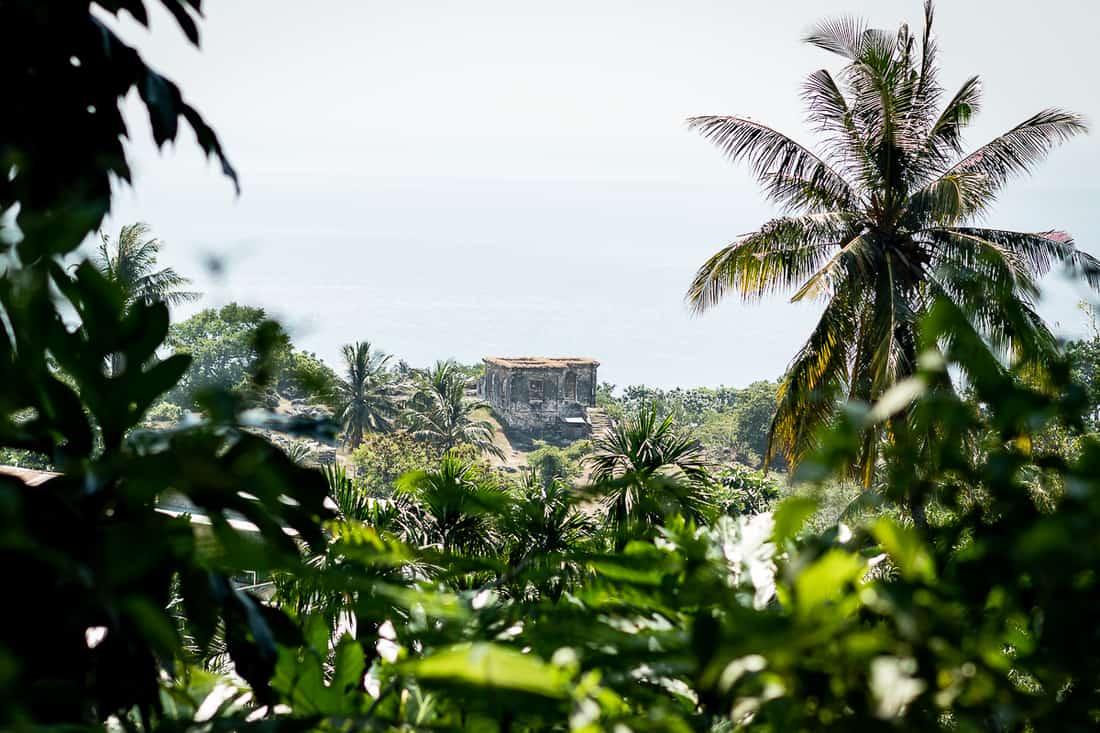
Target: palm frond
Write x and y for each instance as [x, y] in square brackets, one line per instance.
[829, 111]
[928, 89]
[780, 256]
[893, 325]
[644, 467]
[439, 413]
[368, 398]
[1017, 151]
[774, 158]
[999, 313]
[163, 286]
[881, 101]
[814, 384]
[946, 201]
[1038, 252]
[844, 36]
[855, 260]
[352, 502]
[458, 501]
[131, 267]
[944, 139]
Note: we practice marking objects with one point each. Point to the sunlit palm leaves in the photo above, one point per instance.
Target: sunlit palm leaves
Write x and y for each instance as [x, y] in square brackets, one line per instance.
[882, 220]
[648, 469]
[130, 263]
[544, 528]
[439, 412]
[368, 397]
[456, 504]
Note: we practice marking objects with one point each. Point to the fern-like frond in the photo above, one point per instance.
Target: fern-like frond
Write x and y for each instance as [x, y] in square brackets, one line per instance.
[773, 158]
[1017, 151]
[814, 384]
[778, 257]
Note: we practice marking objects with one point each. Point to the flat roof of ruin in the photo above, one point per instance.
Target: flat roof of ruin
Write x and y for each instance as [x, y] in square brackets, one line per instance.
[539, 362]
[29, 476]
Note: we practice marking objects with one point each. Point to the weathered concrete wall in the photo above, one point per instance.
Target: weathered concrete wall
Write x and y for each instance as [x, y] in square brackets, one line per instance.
[543, 397]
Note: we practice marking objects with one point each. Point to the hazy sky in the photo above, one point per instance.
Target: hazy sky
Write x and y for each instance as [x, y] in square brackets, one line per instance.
[504, 178]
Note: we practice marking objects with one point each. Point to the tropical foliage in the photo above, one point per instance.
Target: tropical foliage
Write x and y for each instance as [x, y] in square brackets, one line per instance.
[440, 413]
[367, 399]
[881, 222]
[549, 463]
[221, 344]
[731, 423]
[655, 469]
[383, 458]
[469, 602]
[130, 264]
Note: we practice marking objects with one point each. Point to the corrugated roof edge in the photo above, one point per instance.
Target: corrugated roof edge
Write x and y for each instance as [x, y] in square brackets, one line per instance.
[540, 362]
[29, 476]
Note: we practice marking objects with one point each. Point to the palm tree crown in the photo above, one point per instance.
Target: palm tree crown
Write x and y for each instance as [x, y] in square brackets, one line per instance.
[456, 504]
[439, 412]
[130, 263]
[367, 400]
[883, 221]
[650, 469]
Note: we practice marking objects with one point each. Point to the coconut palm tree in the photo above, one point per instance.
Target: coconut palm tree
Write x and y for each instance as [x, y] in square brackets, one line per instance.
[368, 399]
[440, 414]
[650, 470]
[883, 221]
[544, 528]
[130, 262]
[457, 505]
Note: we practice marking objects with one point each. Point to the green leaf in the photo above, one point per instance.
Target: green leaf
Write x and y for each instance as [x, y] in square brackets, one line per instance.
[350, 666]
[825, 579]
[790, 517]
[906, 548]
[897, 398]
[489, 665]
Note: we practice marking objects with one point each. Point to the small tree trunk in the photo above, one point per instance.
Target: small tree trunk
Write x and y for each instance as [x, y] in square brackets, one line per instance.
[915, 504]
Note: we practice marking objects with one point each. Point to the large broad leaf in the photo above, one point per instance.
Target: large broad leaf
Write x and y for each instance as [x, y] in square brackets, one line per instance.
[897, 398]
[489, 665]
[791, 516]
[906, 549]
[826, 580]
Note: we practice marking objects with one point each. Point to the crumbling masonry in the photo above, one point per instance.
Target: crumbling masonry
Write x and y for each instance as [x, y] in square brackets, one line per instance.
[548, 398]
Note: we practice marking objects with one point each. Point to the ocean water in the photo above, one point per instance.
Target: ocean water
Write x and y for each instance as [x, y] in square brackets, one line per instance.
[466, 269]
[484, 269]
[453, 181]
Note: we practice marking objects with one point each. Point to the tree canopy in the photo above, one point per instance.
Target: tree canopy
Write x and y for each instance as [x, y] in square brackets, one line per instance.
[886, 218]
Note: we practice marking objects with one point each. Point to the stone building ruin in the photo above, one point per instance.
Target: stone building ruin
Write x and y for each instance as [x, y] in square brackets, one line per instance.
[546, 397]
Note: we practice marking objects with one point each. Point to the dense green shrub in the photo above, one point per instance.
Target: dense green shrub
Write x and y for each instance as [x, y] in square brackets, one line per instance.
[551, 462]
[383, 458]
[732, 424]
[164, 412]
[742, 490]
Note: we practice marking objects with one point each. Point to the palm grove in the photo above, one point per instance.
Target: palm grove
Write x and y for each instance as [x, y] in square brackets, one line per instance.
[381, 406]
[958, 592]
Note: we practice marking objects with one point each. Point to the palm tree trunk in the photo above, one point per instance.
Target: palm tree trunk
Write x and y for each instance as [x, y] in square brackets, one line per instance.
[915, 504]
[916, 498]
